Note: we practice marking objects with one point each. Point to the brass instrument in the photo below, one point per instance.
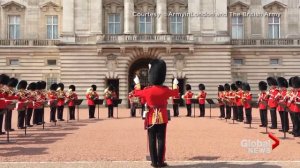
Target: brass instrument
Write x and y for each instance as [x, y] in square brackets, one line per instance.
[70, 94]
[261, 99]
[108, 93]
[60, 93]
[92, 93]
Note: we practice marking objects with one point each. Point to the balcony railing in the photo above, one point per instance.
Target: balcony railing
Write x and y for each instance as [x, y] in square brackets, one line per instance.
[157, 38]
[266, 42]
[26, 42]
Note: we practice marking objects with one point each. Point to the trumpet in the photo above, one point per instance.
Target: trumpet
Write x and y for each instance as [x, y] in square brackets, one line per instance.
[107, 93]
[91, 93]
[60, 93]
[22, 94]
[69, 94]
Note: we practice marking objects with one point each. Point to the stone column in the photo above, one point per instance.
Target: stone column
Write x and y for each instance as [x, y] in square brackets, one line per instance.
[208, 25]
[194, 22]
[129, 17]
[96, 16]
[221, 21]
[161, 25]
[68, 21]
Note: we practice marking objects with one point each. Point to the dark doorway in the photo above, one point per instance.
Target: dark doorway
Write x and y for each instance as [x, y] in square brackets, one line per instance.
[181, 84]
[114, 83]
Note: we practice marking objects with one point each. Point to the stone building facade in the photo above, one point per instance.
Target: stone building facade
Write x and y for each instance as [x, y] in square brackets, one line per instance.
[86, 42]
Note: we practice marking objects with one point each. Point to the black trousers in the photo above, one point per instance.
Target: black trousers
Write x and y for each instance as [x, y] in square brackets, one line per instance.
[296, 119]
[29, 115]
[60, 112]
[2, 112]
[263, 117]
[273, 117]
[189, 109]
[240, 113]
[37, 115]
[222, 111]
[248, 112]
[8, 116]
[202, 110]
[292, 115]
[92, 111]
[157, 143]
[132, 110]
[284, 117]
[110, 109]
[176, 110]
[21, 118]
[52, 113]
[143, 109]
[234, 112]
[72, 112]
[228, 112]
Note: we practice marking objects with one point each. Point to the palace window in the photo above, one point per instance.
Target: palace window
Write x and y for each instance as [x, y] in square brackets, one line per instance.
[274, 27]
[50, 81]
[13, 61]
[238, 61]
[274, 61]
[114, 25]
[237, 27]
[176, 25]
[145, 25]
[51, 62]
[14, 27]
[52, 27]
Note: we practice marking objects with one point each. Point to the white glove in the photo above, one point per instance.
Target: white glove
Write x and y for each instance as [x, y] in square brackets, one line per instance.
[136, 80]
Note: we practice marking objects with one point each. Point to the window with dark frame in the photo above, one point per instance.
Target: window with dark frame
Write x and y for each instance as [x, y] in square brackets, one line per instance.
[238, 61]
[51, 62]
[13, 61]
[274, 61]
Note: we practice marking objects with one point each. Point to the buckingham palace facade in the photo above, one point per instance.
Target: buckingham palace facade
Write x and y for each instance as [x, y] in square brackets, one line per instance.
[103, 42]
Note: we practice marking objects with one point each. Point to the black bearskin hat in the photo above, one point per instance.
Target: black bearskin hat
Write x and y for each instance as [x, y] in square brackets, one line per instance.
[272, 81]
[262, 85]
[201, 86]
[22, 85]
[220, 88]
[94, 87]
[54, 86]
[296, 82]
[157, 72]
[246, 86]
[282, 82]
[233, 87]
[43, 84]
[13, 82]
[239, 84]
[110, 88]
[61, 85]
[4, 79]
[38, 85]
[291, 82]
[31, 86]
[227, 87]
[188, 87]
[72, 87]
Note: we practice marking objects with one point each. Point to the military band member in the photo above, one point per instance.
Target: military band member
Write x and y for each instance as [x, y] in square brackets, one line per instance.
[296, 106]
[227, 100]
[38, 104]
[263, 103]
[290, 105]
[247, 98]
[233, 101]
[177, 97]
[272, 102]
[201, 99]
[92, 95]
[110, 95]
[239, 102]
[156, 97]
[30, 105]
[221, 101]
[188, 96]
[61, 96]
[44, 96]
[22, 103]
[4, 79]
[133, 103]
[71, 96]
[10, 99]
[52, 97]
[283, 85]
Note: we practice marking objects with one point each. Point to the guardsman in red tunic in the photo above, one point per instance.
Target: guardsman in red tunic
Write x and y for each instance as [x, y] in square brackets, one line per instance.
[110, 95]
[52, 97]
[263, 103]
[272, 102]
[239, 102]
[201, 99]
[288, 99]
[61, 96]
[233, 101]
[188, 96]
[283, 85]
[44, 96]
[22, 103]
[31, 99]
[296, 106]
[156, 97]
[10, 98]
[227, 101]
[71, 96]
[92, 95]
[221, 101]
[4, 79]
[133, 102]
[175, 98]
[38, 104]
[247, 98]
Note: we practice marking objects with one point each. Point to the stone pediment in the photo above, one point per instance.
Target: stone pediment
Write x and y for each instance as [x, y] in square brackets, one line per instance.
[13, 5]
[113, 2]
[113, 6]
[177, 2]
[177, 5]
[145, 6]
[275, 6]
[238, 7]
[46, 6]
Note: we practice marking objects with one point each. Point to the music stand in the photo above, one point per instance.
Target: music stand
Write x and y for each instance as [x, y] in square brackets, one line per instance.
[210, 102]
[194, 101]
[116, 103]
[98, 102]
[77, 103]
[177, 101]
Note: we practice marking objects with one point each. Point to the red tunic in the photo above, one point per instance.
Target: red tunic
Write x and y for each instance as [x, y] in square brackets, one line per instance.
[262, 101]
[220, 98]
[61, 99]
[2, 101]
[232, 98]
[296, 102]
[281, 100]
[71, 99]
[9, 99]
[156, 97]
[239, 96]
[248, 98]
[39, 100]
[289, 99]
[90, 98]
[188, 96]
[52, 97]
[21, 105]
[109, 100]
[176, 97]
[202, 97]
[272, 103]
